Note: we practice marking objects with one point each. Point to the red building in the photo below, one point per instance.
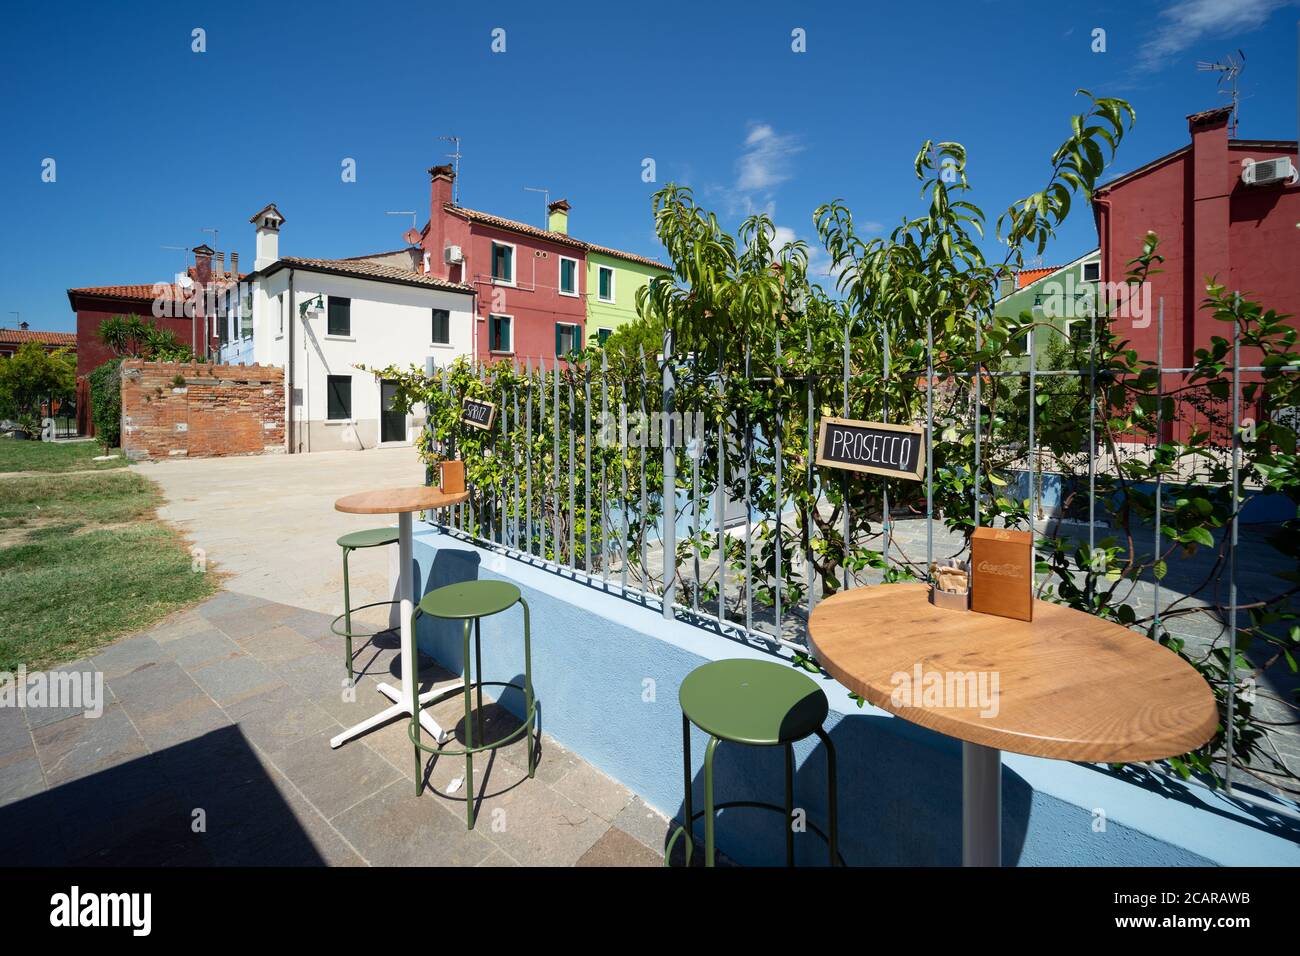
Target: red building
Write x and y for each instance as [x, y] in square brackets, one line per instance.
[11, 340]
[1212, 225]
[178, 306]
[529, 283]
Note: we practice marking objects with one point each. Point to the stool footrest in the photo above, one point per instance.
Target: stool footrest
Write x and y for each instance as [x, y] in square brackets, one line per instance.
[344, 632]
[526, 724]
[681, 828]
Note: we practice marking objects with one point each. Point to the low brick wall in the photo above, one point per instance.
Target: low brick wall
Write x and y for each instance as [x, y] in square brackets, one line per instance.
[191, 410]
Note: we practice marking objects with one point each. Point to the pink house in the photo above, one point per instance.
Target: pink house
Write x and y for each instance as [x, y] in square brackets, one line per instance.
[529, 282]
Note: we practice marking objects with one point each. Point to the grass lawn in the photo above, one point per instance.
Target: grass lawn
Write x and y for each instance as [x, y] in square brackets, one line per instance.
[83, 560]
[54, 456]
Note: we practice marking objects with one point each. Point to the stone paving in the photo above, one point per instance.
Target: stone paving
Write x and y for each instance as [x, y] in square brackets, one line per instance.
[213, 748]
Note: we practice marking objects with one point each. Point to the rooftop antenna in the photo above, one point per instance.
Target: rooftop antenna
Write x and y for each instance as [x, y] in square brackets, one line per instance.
[1229, 68]
[546, 198]
[183, 250]
[454, 156]
[404, 212]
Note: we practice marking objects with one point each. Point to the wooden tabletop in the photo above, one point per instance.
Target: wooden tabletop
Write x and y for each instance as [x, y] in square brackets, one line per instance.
[390, 501]
[1069, 685]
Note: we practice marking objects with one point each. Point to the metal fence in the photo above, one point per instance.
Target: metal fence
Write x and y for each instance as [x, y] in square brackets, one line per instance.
[593, 487]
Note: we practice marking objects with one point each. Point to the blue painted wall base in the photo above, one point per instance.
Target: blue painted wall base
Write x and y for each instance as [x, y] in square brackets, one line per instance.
[607, 671]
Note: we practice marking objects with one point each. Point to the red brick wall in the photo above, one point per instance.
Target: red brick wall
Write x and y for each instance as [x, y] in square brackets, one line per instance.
[209, 411]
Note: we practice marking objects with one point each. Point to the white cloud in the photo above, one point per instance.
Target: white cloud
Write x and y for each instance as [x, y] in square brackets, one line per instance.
[765, 162]
[1187, 22]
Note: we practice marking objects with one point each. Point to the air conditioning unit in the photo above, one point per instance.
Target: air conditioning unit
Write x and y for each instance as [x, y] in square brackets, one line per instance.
[453, 255]
[1268, 171]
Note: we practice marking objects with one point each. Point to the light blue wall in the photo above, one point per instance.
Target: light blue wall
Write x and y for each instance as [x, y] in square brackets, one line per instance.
[900, 785]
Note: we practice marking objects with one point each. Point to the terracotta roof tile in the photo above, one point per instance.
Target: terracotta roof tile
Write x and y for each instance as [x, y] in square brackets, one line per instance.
[1030, 276]
[22, 336]
[630, 256]
[473, 215]
[375, 271]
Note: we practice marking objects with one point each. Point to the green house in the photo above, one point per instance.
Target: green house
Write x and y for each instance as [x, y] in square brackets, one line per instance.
[613, 278]
[1057, 297]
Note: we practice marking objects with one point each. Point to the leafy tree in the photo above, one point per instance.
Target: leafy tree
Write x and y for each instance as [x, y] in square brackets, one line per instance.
[32, 374]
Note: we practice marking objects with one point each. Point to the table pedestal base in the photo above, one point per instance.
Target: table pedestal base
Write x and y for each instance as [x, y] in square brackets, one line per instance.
[400, 708]
[981, 805]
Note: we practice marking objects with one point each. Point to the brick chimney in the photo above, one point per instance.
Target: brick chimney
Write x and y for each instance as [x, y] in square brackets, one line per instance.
[441, 180]
[1212, 181]
[203, 264]
[557, 216]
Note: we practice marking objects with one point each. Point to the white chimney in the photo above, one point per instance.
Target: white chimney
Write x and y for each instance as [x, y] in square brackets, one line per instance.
[267, 223]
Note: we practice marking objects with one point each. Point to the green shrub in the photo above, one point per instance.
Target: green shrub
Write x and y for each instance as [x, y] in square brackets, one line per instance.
[106, 403]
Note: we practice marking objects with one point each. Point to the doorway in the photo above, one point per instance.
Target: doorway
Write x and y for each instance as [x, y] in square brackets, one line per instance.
[392, 423]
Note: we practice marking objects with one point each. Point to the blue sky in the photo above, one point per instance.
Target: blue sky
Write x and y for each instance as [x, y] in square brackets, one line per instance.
[155, 143]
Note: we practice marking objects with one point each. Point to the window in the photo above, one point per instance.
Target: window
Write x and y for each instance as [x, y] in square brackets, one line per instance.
[246, 317]
[223, 324]
[338, 394]
[441, 327]
[340, 316]
[500, 337]
[1092, 272]
[503, 263]
[602, 335]
[568, 338]
[606, 284]
[280, 299]
[568, 276]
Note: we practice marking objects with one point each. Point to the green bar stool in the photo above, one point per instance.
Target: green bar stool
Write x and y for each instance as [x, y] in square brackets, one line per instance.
[762, 704]
[369, 538]
[470, 601]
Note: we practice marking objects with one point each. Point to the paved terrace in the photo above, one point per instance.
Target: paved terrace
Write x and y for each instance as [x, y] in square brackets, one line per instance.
[213, 747]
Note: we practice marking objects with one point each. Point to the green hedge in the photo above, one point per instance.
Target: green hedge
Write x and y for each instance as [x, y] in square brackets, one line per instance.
[106, 403]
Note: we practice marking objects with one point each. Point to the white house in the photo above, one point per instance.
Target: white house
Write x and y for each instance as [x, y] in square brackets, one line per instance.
[320, 319]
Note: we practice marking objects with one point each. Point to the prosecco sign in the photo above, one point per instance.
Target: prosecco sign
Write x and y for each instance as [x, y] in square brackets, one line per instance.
[895, 451]
[478, 413]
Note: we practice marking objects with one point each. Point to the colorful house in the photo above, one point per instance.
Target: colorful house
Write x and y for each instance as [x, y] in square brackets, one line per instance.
[539, 293]
[613, 278]
[1056, 296]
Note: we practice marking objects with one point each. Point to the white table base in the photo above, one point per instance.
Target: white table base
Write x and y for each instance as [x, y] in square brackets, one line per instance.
[981, 805]
[401, 696]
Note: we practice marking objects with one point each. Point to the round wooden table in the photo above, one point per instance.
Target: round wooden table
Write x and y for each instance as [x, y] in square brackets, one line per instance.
[403, 502]
[1068, 685]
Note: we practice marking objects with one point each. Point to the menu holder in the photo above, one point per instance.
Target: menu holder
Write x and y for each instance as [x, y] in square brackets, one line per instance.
[1002, 573]
[451, 477]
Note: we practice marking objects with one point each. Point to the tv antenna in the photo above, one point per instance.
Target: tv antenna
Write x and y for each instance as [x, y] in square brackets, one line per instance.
[182, 250]
[404, 212]
[1229, 68]
[546, 198]
[454, 156]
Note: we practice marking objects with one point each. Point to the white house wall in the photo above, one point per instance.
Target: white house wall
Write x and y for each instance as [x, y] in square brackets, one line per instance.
[391, 325]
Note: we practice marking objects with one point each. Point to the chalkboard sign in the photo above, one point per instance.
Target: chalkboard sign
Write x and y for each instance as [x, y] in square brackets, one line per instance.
[478, 413]
[896, 451]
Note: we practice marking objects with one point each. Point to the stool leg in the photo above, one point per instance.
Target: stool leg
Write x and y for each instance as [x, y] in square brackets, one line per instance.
[478, 669]
[529, 703]
[708, 801]
[789, 804]
[415, 715]
[832, 803]
[690, 809]
[469, 739]
[347, 614]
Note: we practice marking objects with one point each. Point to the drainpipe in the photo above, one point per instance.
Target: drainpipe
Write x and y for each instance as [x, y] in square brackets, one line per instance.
[288, 394]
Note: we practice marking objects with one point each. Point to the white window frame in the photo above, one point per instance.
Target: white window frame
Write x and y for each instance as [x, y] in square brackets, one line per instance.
[577, 334]
[613, 283]
[559, 277]
[602, 328]
[446, 344]
[1083, 271]
[501, 315]
[514, 266]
